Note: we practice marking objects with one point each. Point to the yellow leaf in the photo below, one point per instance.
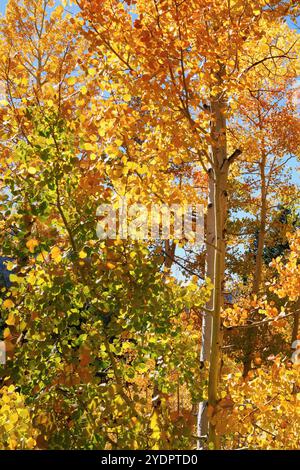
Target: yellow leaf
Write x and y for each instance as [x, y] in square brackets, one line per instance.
[8, 426]
[9, 266]
[84, 90]
[31, 244]
[8, 303]
[82, 254]
[6, 399]
[6, 333]
[31, 278]
[88, 146]
[110, 265]
[42, 256]
[154, 425]
[92, 72]
[11, 319]
[119, 142]
[14, 418]
[71, 81]
[32, 170]
[56, 254]
[31, 443]
[15, 278]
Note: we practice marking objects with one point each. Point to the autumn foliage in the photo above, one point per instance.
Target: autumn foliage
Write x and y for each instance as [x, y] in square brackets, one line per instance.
[157, 343]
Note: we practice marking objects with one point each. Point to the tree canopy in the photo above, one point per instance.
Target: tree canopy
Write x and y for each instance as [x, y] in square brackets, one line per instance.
[156, 342]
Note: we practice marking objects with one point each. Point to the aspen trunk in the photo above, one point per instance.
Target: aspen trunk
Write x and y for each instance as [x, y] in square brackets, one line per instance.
[221, 167]
[216, 330]
[202, 422]
[252, 334]
[217, 213]
[262, 230]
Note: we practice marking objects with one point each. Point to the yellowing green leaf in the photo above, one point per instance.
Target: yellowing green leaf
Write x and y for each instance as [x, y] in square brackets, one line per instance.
[88, 146]
[10, 266]
[71, 81]
[15, 278]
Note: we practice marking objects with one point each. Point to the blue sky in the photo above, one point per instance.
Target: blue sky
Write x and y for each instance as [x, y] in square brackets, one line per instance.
[293, 164]
[2, 5]
[295, 175]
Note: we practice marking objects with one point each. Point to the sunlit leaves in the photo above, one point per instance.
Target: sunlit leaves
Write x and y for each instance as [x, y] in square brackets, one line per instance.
[56, 254]
[16, 427]
[97, 105]
[288, 284]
